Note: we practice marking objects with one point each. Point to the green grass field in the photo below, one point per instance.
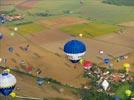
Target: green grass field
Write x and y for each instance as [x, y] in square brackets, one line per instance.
[26, 29]
[132, 74]
[90, 29]
[121, 91]
[94, 10]
[91, 9]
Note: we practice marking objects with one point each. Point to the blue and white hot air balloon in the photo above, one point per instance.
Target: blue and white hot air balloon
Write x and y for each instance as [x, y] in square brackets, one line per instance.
[7, 83]
[2, 20]
[106, 60]
[75, 50]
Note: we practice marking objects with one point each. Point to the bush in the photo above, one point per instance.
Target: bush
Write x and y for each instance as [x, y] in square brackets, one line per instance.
[10, 12]
[43, 14]
[67, 12]
[23, 22]
[120, 2]
[94, 95]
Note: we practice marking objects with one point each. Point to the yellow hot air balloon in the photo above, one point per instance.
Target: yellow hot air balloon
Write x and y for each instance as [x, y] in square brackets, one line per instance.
[126, 66]
[81, 61]
[13, 94]
[128, 92]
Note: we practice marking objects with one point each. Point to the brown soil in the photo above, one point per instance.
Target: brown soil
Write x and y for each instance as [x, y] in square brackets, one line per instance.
[62, 21]
[10, 2]
[27, 4]
[128, 24]
[51, 64]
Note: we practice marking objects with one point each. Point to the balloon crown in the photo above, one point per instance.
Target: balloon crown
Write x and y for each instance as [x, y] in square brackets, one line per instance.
[5, 73]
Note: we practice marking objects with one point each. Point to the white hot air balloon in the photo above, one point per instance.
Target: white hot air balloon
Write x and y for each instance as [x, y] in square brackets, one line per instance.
[105, 84]
[101, 51]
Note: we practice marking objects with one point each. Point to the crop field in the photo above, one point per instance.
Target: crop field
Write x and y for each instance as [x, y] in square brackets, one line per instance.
[90, 29]
[32, 45]
[26, 29]
[93, 10]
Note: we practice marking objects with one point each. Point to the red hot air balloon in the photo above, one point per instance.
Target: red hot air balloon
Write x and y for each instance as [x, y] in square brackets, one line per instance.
[87, 64]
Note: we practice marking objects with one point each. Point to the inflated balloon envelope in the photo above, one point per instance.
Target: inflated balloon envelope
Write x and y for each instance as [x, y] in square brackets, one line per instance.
[87, 64]
[1, 36]
[106, 60]
[75, 50]
[7, 83]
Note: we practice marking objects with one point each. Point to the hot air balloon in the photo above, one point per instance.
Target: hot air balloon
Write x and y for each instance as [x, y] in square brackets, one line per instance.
[13, 94]
[101, 51]
[80, 35]
[126, 66]
[106, 60]
[105, 84]
[7, 83]
[11, 49]
[16, 29]
[12, 33]
[75, 50]
[81, 61]
[1, 36]
[2, 19]
[128, 92]
[1, 60]
[87, 64]
[116, 98]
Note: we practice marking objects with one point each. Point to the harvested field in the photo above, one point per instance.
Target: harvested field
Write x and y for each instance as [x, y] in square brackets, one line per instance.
[27, 4]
